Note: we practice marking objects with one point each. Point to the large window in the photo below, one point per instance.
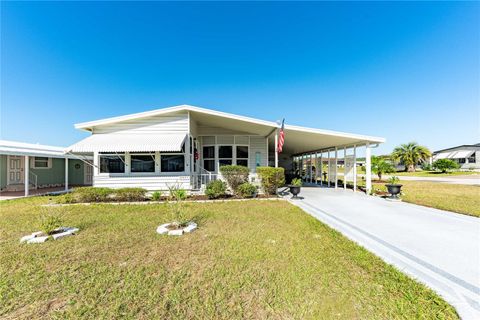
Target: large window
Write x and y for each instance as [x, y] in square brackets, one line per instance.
[112, 163]
[209, 158]
[242, 156]
[225, 155]
[142, 163]
[41, 163]
[173, 163]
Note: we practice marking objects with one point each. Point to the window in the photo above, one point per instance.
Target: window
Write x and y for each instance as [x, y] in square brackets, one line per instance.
[461, 160]
[173, 163]
[472, 158]
[209, 158]
[41, 163]
[225, 155]
[242, 156]
[142, 163]
[112, 163]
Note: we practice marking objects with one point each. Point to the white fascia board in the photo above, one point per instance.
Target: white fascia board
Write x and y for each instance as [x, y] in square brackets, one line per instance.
[336, 134]
[90, 124]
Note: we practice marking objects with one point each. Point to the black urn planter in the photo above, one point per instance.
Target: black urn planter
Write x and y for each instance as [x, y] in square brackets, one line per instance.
[295, 190]
[394, 190]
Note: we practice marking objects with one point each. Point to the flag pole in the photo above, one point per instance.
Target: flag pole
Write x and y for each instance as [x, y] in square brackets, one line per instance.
[276, 148]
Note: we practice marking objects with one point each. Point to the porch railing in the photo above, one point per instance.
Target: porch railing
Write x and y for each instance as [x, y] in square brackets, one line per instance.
[33, 179]
[200, 180]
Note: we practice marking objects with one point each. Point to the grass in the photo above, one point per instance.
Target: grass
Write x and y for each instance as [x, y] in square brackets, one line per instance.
[435, 173]
[247, 260]
[463, 199]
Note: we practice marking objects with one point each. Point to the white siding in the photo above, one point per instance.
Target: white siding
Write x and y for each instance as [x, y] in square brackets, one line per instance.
[258, 144]
[147, 182]
[177, 123]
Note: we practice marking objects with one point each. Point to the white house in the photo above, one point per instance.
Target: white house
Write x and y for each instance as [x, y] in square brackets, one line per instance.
[467, 155]
[186, 145]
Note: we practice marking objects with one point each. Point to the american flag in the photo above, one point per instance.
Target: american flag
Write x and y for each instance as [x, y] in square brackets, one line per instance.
[281, 137]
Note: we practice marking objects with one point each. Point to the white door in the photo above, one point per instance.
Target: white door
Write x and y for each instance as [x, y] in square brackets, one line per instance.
[15, 169]
[88, 173]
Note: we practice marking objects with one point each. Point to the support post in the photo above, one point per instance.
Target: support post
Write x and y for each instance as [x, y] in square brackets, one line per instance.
[354, 168]
[344, 168]
[321, 169]
[276, 148]
[96, 165]
[316, 168]
[311, 167]
[336, 167]
[66, 174]
[368, 169]
[27, 174]
[329, 169]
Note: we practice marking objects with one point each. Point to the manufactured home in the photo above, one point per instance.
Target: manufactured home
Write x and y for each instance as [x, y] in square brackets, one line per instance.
[27, 168]
[186, 145]
[466, 155]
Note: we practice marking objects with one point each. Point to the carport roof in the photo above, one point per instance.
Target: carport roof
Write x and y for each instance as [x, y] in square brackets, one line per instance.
[297, 139]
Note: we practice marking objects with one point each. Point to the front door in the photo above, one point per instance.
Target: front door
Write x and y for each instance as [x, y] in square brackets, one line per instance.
[88, 178]
[15, 169]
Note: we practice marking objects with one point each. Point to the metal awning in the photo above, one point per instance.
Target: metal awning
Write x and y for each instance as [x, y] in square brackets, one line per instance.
[454, 154]
[108, 142]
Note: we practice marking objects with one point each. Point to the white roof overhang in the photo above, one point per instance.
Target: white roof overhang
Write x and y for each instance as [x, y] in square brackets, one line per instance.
[109, 142]
[14, 148]
[297, 139]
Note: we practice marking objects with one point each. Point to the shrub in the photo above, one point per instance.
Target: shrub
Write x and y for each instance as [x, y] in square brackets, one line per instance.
[156, 196]
[246, 190]
[426, 166]
[65, 198]
[215, 189]
[445, 165]
[130, 194]
[393, 180]
[92, 194]
[296, 182]
[235, 176]
[50, 219]
[271, 178]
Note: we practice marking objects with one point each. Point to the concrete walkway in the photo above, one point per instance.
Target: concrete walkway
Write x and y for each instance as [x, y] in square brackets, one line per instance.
[439, 248]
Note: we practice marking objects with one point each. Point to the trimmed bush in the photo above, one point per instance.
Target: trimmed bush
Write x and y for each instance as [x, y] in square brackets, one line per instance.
[130, 194]
[92, 194]
[271, 178]
[50, 219]
[445, 165]
[215, 189]
[156, 196]
[235, 176]
[246, 190]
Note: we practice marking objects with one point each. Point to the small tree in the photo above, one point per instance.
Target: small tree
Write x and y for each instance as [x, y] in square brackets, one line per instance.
[411, 154]
[445, 165]
[381, 166]
[176, 197]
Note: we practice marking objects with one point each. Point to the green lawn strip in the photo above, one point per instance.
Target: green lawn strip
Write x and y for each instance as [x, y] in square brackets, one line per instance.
[253, 259]
[434, 174]
[458, 198]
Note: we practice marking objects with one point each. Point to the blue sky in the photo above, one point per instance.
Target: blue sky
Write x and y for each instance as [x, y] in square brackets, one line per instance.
[403, 71]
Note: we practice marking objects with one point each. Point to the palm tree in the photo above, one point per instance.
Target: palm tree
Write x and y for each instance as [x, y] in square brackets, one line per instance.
[411, 154]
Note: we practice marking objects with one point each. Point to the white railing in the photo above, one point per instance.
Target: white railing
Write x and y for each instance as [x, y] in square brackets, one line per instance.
[33, 179]
[200, 180]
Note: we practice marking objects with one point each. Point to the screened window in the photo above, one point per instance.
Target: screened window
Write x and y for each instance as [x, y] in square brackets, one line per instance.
[112, 163]
[242, 156]
[225, 155]
[142, 163]
[40, 163]
[209, 158]
[173, 163]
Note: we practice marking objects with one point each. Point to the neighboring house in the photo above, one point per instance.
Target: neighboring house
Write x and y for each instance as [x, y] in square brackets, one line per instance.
[186, 145]
[467, 155]
[40, 167]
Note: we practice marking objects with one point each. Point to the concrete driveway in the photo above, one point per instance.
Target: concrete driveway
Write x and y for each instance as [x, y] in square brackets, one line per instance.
[438, 248]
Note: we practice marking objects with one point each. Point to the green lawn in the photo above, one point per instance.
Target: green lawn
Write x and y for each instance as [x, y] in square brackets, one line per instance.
[435, 174]
[256, 259]
[463, 199]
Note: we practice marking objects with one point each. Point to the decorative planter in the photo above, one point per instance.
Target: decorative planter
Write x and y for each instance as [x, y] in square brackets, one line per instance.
[163, 229]
[295, 190]
[40, 237]
[394, 190]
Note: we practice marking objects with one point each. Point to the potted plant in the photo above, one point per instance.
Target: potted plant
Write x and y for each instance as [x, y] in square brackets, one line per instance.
[393, 187]
[295, 187]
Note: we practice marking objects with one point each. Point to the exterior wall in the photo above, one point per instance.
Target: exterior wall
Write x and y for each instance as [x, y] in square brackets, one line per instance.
[150, 183]
[3, 171]
[50, 176]
[173, 123]
[76, 172]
